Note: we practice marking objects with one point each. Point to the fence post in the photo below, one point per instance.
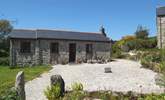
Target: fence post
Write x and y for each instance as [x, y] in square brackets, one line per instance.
[55, 79]
[20, 85]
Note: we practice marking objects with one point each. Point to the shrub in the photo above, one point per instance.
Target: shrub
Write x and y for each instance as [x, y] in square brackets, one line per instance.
[117, 54]
[160, 79]
[132, 57]
[153, 97]
[107, 96]
[162, 54]
[152, 42]
[127, 44]
[131, 44]
[153, 60]
[77, 92]
[153, 56]
[139, 44]
[11, 95]
[53, 92]
[75, 95]
[64, 61]
[116, 51]
[144, 63]
[156, 67]
[147, 63]
[77, 87]
[128, 38]
[4, 61]
[4, 53]
[162, 66]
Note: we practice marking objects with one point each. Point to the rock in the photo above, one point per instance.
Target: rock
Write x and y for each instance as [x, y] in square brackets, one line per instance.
[107, 70]
[57, 79]
[20, 84]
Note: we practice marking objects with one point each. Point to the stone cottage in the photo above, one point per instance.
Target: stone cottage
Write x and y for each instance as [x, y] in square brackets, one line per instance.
[160, 11]
[57, 46]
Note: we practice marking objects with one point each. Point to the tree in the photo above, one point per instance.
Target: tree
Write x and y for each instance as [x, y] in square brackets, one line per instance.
[141, 32]
[5, 28]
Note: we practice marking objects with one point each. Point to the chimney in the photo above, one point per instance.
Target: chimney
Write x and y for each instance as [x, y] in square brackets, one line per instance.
[102, 30]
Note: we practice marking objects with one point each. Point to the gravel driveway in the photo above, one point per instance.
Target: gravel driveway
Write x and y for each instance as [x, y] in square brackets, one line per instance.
[126, 76]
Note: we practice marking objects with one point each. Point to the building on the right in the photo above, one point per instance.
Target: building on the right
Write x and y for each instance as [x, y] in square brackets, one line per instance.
[160, 17]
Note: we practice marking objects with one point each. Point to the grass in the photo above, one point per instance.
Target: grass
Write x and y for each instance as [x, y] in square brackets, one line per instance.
[8, 75]
[108, 95]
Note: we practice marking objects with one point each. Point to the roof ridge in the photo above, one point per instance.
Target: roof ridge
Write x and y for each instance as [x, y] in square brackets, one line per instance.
[58, 30]
[67, 31]
[26, 29]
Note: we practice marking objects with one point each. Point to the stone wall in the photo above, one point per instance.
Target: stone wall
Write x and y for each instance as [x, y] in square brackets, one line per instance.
[40, 52]
[22, 59]
[161, 31]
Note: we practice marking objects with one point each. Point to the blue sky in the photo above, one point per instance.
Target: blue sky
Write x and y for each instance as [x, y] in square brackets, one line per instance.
[119, 17]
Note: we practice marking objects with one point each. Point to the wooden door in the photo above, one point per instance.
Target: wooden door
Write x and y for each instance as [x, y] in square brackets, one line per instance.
[72, 52]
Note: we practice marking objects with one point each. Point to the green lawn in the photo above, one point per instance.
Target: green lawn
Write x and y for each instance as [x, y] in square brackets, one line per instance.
[7, 75]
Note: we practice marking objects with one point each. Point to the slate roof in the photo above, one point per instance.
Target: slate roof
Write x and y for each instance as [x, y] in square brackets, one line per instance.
[22, 33]
[57, 34]
[160, 11]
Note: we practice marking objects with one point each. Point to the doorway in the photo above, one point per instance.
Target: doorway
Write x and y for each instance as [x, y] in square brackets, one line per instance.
[89, 51]
[54, 53]
[72, 52]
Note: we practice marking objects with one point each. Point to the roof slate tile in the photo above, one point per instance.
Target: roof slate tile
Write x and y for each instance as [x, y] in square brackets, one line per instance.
[57, 34]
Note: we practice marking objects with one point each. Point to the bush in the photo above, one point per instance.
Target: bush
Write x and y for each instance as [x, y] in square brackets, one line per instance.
[128, 38]
[4, 47]
[11, 95]
[4, 53]
[160, 79]
[162, 66]
[151, 60]
[77, 87]
[116, 51]
[4, 61]
[53, 92]
[75, 95]
[139, 44]
[153, 97]
[154, 60]
[64, 61]
[146, 64]
[162, 54]
[77, 92]
[107, 96]
[136, 44]
[117, 54]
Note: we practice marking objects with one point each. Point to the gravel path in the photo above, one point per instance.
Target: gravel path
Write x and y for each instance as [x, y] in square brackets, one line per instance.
[126, 76]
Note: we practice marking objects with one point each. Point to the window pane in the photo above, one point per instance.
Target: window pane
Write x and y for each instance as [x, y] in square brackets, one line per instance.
[89, 48]
[25, 47]
[54, 48]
